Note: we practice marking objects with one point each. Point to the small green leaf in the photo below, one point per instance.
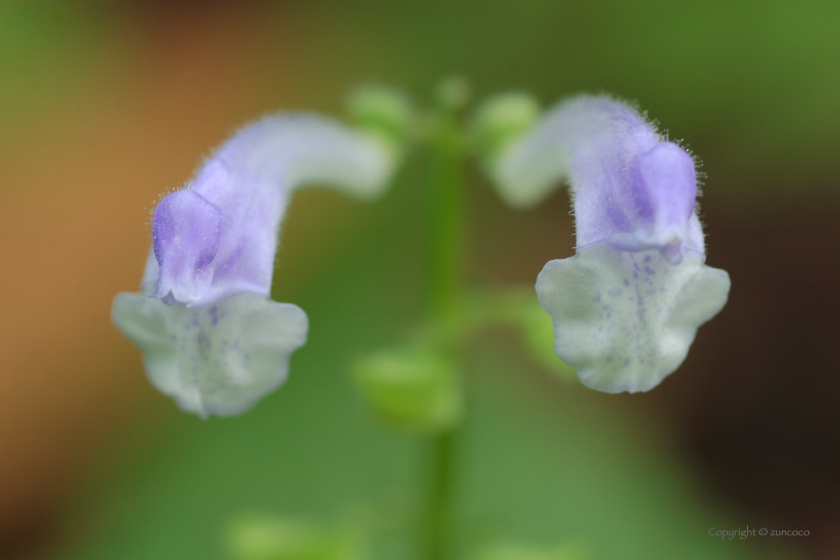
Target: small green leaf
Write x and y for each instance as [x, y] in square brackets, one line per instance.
[411, 388]
[265, 537]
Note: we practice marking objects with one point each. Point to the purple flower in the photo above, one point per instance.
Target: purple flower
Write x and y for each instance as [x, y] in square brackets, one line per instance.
[627, 306]
[211, 337]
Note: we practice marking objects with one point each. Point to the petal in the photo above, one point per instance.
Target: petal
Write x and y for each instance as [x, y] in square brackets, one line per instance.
[219, 235]
[301, 149]
[626, 320]
[219, 359]
[631, 190]
[531, 168]
[664, 184]
[186, 229]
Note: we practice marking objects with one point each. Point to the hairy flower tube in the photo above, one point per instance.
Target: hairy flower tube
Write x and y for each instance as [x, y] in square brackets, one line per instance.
[626, 307]
[211, 336]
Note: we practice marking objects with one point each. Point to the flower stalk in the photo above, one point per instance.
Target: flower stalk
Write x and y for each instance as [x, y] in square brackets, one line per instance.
[444, 223]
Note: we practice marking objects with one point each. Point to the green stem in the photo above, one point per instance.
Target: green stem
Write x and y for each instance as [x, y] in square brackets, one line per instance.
[444, 217]
[440, 517]
[442, 285]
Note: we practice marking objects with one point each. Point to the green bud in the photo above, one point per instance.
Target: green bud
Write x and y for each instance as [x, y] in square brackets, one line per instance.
[453, 93]
[411, 388]
[538, 331]
[266, 537]
[517, 551]
[384, 114]
[501, 120]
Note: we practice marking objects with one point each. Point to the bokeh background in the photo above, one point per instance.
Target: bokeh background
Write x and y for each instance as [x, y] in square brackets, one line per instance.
[104, 106]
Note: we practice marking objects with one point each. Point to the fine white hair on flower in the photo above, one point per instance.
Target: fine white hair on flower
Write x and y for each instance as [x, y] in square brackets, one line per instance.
[626, 307]
[211, 337]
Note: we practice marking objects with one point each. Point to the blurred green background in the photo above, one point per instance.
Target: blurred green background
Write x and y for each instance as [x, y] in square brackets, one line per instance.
[104, 106]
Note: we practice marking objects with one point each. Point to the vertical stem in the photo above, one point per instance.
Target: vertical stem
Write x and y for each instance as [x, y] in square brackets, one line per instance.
[444, 215]
[440, 517]
[443, 223]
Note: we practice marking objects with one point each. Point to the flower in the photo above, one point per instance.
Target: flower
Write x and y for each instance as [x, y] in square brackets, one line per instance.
[627, 306]
[211, 336]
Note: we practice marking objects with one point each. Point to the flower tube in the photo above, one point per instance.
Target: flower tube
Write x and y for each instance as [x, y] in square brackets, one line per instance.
[627, 306]
[211, 336]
